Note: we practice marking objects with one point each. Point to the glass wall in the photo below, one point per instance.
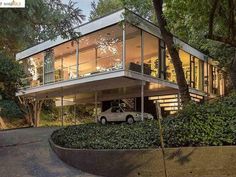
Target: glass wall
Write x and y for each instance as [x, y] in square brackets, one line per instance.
[60, 62]
[133, 48]
[33, 68]
[65, 61]
[151, 54]
[198, 76]
[215, 81]
[185, 58]
[170, 70]
[100, 51]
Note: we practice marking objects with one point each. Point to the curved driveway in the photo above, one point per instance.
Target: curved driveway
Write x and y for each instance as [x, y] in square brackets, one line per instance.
[26, 153]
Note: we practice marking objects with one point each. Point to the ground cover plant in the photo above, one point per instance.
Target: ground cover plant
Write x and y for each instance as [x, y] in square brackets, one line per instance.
[209, 124]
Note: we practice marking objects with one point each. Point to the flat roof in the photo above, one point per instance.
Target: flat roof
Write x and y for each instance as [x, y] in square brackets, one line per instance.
[106, 21]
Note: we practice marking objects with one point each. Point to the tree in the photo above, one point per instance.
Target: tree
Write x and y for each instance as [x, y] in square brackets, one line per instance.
[104, 7]
[209, 25]
[40, 20]
[169, 41]
[146, 9]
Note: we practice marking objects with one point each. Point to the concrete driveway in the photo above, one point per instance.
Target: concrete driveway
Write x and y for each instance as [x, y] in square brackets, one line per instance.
[26, 153]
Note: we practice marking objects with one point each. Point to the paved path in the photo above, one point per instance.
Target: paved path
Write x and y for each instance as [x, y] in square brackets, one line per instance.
[26, 153]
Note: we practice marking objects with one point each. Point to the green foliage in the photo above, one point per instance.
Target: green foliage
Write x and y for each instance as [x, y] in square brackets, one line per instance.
[189, 20]
[103, 7]
[10, 74]
[212, 124]
[40, 20]
[118, 136]
[9, 109]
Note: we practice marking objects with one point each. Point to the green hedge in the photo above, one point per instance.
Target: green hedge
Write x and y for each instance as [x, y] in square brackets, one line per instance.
[197, 125]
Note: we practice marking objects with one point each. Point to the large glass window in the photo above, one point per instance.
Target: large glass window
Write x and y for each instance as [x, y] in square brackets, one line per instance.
[49, 66]
[185, 58]
[65, 61]
[151, 54]
[133, 49]
[60, 62]
[198, 73]
[206, 77]
[33, 68]
[100, 51]
[170, 70]
[215, 80]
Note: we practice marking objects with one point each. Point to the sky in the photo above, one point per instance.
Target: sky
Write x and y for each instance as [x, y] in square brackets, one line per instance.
[84, 5]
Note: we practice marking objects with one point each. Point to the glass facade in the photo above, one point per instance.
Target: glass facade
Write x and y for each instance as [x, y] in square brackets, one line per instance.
[133, 48]
[151, 59]
[102, 51]
[33, 68]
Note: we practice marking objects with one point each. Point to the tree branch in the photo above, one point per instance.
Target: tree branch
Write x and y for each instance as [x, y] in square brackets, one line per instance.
[222, 39]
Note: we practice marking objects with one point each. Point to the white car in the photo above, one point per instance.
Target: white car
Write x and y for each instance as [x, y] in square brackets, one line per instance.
[118, 114]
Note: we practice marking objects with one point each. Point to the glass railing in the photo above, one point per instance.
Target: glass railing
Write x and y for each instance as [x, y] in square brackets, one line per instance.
[68, 73]
[102, 65]
[31, 81]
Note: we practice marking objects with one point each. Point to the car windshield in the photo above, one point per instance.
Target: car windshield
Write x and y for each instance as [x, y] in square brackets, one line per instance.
[128, 109]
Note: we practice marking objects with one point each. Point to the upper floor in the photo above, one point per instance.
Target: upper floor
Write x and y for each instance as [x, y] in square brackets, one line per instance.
[117, 43]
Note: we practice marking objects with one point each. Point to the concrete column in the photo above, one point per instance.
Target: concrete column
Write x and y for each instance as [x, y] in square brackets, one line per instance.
[142, 100]
[75, 109]
[124, 46]
[96, 106]
[62, 112]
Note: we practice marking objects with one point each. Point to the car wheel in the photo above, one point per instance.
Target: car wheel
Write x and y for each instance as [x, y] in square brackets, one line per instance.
[130, 120]
[103, 121]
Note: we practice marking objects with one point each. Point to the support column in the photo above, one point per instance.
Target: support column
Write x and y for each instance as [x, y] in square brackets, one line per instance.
[75, 109]
[62, 112]
[124, 46]
[142, 100]
[96, 106]
[77, 60]
[142, 72]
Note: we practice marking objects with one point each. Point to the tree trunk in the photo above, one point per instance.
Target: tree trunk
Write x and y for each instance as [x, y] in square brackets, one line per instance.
[169, 41]
[32, 109]
[2, 124]
[232, 71]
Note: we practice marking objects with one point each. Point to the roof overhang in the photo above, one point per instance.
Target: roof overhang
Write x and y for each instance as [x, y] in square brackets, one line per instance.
[82, 30]
[106, 21]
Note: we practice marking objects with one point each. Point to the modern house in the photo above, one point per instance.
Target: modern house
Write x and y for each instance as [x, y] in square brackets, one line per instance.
[117, 57]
